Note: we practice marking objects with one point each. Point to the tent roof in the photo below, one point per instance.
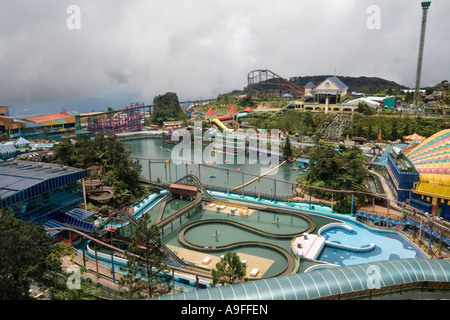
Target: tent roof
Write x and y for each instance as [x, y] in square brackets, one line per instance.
[210, 113]
[232, 110]
[21, 141]
[414, 136]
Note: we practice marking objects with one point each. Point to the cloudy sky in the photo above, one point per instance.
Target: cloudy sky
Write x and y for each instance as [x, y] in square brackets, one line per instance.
[137, 49]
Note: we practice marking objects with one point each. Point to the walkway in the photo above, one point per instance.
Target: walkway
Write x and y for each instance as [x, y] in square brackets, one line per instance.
[386, 188]
[259, 177]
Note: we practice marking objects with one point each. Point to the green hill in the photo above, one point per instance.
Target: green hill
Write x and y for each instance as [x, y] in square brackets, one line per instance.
[357, 84]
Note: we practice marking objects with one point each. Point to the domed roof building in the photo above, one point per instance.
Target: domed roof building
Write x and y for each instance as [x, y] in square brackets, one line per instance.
[431, 159]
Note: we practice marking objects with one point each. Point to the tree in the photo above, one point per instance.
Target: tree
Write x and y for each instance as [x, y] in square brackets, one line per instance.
[66, 154]
[122, 173]
[166, 108]
[26, 257]
[228, 269]
[333, 169]
[145, 257]
[287, 149]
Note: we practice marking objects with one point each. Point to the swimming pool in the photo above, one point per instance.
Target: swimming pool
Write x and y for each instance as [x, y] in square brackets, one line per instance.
[387, 245]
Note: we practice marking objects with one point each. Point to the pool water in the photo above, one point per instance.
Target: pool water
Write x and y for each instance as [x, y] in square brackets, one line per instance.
[388, 245]
[157, 149]
[219, 234]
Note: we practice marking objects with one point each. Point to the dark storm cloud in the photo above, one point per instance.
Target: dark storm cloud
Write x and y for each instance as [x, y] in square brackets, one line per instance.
[200, 48]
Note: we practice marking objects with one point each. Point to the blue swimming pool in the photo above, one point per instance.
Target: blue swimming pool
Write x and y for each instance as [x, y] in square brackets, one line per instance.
[344, 245]
[386, 245]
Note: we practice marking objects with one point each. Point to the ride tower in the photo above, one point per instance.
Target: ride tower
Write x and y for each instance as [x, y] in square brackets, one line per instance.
[425, 7]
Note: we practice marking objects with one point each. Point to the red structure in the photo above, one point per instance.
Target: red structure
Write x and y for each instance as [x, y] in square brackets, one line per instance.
[179, 189]
[127, 120]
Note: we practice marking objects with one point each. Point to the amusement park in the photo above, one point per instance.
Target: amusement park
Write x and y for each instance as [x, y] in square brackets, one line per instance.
[282, 191]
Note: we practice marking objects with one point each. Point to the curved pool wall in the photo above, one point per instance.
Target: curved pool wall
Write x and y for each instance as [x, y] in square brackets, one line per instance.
[182, 281]
[336, 225]
[354, 255]
[186, 282]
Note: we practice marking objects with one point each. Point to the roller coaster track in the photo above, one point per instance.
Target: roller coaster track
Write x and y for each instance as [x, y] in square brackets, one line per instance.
[162, 206]
[182, 211]
[290, 267]
[266, 78]
[191, 179]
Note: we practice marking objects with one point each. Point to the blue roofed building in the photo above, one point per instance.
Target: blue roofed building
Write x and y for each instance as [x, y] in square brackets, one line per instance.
[45, 193]
[329, 95]
[402, 175]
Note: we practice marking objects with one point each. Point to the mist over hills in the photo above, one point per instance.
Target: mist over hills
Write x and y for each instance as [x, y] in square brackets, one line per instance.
[119, 100]
[101, 102]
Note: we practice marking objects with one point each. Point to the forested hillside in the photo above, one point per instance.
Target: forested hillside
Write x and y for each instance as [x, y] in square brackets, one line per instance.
[358, 84]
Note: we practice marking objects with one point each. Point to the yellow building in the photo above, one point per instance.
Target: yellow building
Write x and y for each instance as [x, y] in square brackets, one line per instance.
[326, 96]
[431, 159]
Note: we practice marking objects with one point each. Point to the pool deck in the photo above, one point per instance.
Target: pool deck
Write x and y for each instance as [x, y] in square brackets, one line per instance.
[229, 209]
[308, 246]
[198, 258]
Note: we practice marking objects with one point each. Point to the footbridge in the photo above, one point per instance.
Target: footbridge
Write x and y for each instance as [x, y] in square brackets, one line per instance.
[259, 177]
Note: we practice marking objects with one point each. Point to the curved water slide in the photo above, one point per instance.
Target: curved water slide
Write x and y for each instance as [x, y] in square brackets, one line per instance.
[221, 125]
[197, 183]
[290, 105]
[162, 206]
[218, 120]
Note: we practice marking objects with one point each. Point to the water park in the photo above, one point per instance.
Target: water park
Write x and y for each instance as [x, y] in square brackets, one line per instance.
[204, 210]
[247, 198]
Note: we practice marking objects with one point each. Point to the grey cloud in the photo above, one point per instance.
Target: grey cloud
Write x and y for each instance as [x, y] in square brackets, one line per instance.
[199, 48]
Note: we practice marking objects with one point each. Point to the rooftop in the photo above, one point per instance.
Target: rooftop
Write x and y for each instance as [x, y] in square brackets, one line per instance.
[326, 282]
[22, 180]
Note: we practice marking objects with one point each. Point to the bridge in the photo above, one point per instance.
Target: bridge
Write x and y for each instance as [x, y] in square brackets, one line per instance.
[259, 177]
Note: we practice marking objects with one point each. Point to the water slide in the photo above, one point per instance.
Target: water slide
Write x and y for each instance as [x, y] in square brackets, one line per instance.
[221, 125]
[288, 106]
[259, 177]
[162, 206]
[192, 205]
[218, 120]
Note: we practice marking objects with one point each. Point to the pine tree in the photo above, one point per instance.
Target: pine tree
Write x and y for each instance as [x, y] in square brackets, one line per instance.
[287, 150]
[145, 262]
[228, 269]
